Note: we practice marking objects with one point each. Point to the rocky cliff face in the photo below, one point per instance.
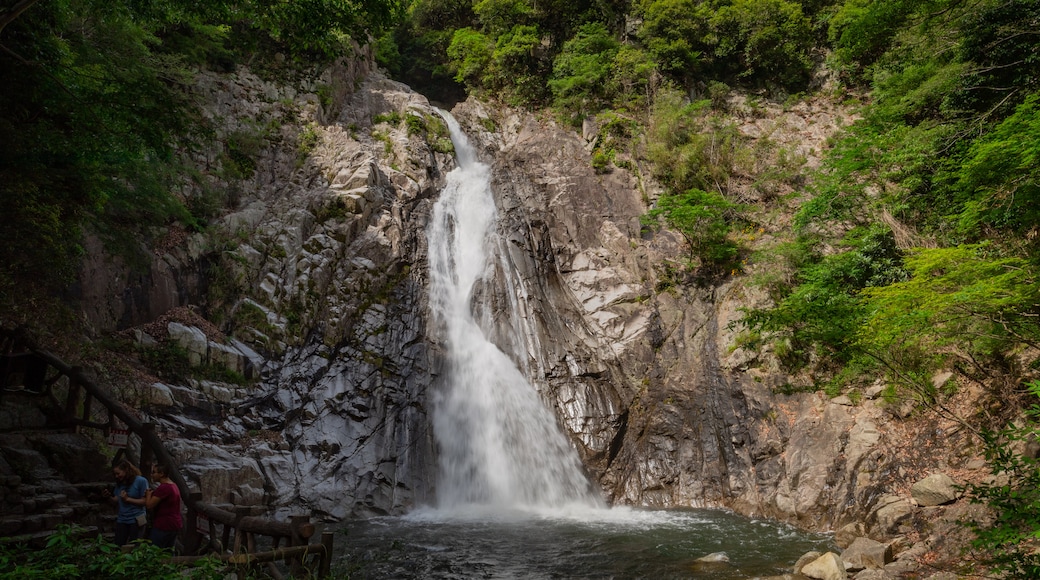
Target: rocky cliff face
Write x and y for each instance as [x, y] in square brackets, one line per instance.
[664, 406]
[319, 274]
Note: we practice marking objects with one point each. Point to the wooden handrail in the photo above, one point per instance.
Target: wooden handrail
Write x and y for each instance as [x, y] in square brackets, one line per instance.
[297, 531]
[293, 553]
[146, 434]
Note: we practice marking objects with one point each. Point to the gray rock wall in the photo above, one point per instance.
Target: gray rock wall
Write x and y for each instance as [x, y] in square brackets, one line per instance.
[320, 269]
[662, 405]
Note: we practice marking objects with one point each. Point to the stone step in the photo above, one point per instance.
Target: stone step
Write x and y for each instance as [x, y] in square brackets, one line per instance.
[29, 524]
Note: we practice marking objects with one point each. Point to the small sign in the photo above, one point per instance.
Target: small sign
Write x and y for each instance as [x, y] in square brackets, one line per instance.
[202, 523]
[118, 437]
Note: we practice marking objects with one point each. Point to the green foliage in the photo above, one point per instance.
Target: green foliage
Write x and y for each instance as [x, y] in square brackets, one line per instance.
[393, 118]
[240, 151]
[967, 297]
[763, 40]
[89, 118]
[582, 69]
[693, 148]
[98, 122]
[470, 55]
[69, 554]
[416, 125]
[1007, 543]
[861, 30]
[172, 362]
[516, 66]
[999, 179]
[498, 17]
[823, 311]
[306, 142]
[633, 79]
[670, 33]
[703, 219]
[317, 26]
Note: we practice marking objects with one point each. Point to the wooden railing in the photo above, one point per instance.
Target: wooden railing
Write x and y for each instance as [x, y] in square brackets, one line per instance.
[232, 535]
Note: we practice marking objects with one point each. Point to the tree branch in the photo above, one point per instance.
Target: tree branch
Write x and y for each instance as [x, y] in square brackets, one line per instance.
[14, 13]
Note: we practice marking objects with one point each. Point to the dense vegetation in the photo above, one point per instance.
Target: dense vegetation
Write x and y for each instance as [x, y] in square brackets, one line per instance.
[97, 117]
[915, 248]
[74, 553]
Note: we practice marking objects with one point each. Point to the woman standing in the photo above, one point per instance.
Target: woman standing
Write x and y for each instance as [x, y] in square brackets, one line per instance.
[166, 501]
[129, 494]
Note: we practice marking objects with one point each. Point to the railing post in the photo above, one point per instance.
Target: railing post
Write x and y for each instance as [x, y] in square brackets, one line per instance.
[325, 564]
[240, 512]
[296, 539]
[192, 537]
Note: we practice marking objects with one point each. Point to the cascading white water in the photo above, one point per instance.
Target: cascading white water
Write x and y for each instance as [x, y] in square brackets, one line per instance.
[499, 446]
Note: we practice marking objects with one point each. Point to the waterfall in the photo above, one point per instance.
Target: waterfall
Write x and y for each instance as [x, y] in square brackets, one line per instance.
[499, 446]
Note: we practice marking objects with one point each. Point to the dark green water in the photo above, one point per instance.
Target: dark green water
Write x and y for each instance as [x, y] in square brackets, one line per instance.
[617, 543]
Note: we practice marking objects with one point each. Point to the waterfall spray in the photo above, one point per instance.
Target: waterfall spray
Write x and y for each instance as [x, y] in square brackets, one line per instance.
[499, 445]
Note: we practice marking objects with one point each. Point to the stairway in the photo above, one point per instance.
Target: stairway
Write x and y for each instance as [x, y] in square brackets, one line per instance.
[37, 496]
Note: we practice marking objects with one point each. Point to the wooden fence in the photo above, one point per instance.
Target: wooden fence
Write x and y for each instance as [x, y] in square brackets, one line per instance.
[232, 535]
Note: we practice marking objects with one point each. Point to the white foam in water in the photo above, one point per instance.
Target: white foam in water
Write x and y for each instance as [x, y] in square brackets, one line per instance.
[619, 517]
[501, 451]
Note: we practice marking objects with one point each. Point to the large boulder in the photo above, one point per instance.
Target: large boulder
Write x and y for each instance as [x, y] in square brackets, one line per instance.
[890, 511]
[865, 553]
[936, 489]
[827, 567]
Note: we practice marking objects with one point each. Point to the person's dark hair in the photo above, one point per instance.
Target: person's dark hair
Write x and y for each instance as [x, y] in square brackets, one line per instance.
[126, 467]
[163, 471]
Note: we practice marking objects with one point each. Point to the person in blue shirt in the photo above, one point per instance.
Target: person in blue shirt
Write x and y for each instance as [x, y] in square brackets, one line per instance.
[128, 494]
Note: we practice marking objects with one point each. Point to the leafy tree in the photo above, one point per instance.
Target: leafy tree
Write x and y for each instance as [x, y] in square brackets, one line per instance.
[470, 55]
[764, 41]
[965, 303]
[999, 178]
[861, 30]
[516, 65]
[672, 31]
[498, 17]
[87, 127]
[634, 78]
[703, 220]
[582, 69]
[823, 311]
[998, 38]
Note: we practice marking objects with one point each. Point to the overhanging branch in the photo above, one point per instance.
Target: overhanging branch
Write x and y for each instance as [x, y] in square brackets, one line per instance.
[14, 13]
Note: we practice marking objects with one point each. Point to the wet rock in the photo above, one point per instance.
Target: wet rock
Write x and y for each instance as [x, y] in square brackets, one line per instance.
[710, 563]
[715, 557]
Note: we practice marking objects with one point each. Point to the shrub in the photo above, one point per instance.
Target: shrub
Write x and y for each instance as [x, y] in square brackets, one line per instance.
[703, 219]
[1007, 542]
[68, 554]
